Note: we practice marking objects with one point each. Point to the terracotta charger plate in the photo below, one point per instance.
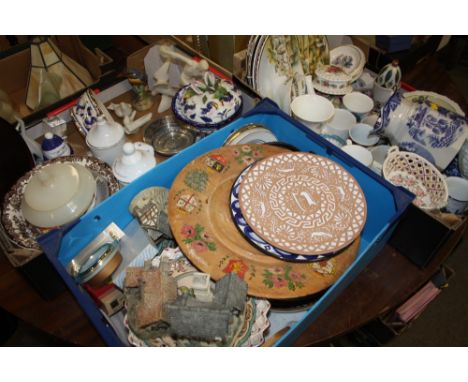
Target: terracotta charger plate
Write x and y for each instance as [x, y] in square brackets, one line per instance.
[303, 203]
[200, 219]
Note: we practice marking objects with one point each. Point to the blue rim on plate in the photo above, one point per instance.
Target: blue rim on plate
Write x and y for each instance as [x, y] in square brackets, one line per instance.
[203, 126]
[256, 240]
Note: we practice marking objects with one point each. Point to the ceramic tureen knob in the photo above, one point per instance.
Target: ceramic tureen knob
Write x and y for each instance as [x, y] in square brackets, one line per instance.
[390, 76]
[137, 158]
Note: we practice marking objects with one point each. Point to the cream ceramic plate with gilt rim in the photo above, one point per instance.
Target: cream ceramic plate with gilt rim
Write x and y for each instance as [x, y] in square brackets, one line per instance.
[200, 219]
[303, 203]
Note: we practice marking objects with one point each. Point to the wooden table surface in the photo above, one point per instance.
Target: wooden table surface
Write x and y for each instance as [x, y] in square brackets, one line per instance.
[388, 280]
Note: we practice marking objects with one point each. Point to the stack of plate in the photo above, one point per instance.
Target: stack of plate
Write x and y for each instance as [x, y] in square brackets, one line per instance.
[298, 206]
[277, 65]
[289, 225]
[350, 58]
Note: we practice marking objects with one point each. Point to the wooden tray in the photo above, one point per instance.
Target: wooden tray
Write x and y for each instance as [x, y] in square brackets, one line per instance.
[200, 219]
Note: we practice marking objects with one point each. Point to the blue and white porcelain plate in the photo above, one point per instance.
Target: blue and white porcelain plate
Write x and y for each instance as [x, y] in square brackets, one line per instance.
[256, 240]
[209, 104]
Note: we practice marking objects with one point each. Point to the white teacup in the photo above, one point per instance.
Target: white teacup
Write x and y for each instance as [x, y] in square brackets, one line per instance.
[359, 104]
[312, 110]
[379, 153]
[361, 134]
[340, 124]
[381, 95]
[359, 153]
[458, 195]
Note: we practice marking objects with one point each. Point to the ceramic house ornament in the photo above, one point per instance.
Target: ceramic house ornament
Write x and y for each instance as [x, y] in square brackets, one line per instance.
[390, 76]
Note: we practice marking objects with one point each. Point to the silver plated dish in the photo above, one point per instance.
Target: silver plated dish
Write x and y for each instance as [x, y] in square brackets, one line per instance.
[168, 136]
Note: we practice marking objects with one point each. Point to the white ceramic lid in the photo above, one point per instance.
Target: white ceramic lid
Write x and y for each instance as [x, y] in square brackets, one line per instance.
[137, 159]
[332, 73]
[52, 187]
[104, 134]
[59, 210]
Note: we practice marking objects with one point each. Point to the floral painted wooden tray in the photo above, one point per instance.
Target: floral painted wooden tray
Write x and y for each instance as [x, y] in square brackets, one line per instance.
[200, 219]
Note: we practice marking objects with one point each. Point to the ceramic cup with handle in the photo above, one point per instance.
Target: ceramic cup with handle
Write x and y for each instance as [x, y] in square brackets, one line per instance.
[380, 94]
[359, 104]
[458, 195]
[340, 124]
[312, 110]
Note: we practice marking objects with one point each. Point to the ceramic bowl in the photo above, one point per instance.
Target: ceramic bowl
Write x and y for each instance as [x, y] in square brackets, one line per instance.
[358, 103]
[331, 79]
[312, 110]
[340, 124]
[359, 153]
[210, 104]
[458, 195]
[57, 195]
[361, 134]
[417, 175]
[168, 135]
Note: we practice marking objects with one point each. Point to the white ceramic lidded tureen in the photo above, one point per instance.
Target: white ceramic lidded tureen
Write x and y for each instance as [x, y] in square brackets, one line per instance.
[105, 140]
[332, 79]
[210, 104]
[136, 159]
[58, 194]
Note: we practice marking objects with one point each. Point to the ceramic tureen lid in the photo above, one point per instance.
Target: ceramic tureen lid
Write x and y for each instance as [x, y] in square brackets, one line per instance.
[58, 194]
[207, 103]
[137, 159]
[104, 134]
[332, 73]
[52, 187]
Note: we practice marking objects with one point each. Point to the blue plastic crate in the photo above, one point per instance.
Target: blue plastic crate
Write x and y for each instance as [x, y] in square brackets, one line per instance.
[385, 204]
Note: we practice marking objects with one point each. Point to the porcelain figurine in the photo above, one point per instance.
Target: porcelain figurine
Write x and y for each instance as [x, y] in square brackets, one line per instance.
[132, 125]
[390, 76]
[142, 100]
[121, 109]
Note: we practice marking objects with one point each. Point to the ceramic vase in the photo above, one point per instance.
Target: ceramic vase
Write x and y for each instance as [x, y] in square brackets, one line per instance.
[390, 76]
[54, 146]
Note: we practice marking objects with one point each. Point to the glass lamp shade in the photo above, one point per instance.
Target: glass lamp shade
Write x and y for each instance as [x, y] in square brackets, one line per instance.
[53, 75]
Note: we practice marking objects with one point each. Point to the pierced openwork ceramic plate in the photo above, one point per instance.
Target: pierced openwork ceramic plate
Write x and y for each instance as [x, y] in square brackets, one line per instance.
[19, 229]
[252, 237]
[303, 203]
[200, 219]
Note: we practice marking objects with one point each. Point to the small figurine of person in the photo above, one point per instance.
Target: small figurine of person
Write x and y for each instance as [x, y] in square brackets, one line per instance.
[142, 100]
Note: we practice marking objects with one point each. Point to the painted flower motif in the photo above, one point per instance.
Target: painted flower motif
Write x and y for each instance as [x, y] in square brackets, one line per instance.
[295, 276]
[278, 281]
[199, 246]
[246, 149]
[236, 152]
[236, 266]
[199, 240]
[257, 154]
[276, 270]
[188, 231]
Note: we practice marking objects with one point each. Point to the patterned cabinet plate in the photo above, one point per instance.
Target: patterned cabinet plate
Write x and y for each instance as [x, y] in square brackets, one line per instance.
[200, 219]
[303, 203]
[252, 237]
[19, 229]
